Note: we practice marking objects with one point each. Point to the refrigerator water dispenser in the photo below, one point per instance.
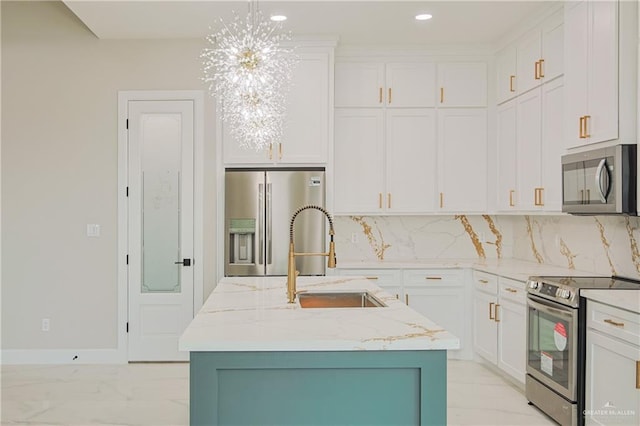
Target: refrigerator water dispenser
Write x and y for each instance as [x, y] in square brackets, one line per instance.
[241, 236]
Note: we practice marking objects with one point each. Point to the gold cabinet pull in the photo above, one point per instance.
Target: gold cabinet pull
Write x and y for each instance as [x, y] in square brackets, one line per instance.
[535, 71]
[511, 290]
[380, 96]
[441, 200]
[511, 78]
[280, 151]
[441, 94]
[637, 374]
[491, 315]
[270, 151]
[388, 200]
[371, 278]
[389, 100]
[537, 197]
[496, 313]
[483, 281]
[380, 200]
[586, 126]
[432, 278]
[511, 204]
[581, 127]
[406, 299]
[541, 63]
[614, 323]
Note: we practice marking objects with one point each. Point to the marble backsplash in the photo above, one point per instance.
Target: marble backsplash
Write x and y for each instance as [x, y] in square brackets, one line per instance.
[600, 244]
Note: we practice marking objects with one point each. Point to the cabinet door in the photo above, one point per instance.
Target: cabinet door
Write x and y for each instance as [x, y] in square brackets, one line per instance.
[462, 84]
[306, 128]
[234, 153]
[602, 89]
[410, 85]
[506, 157]
[485, 329]
[529, 55]
[611, 394]
[575, 70]
[552, 47]
[462, 160]
[512, 328]
[358, 160]
[442, 305]
[359, 84]
[506, 80]
[529, 134]
[411, 160]
[552, 144]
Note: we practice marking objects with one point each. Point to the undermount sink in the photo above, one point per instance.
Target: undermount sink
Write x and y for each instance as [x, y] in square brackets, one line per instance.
[354, 299]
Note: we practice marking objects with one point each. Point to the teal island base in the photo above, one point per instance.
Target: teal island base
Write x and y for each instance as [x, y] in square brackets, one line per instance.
[319, 388]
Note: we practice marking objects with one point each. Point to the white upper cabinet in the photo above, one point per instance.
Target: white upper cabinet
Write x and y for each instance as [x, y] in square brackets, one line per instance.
[507, 138]
[462, 160]
[506, 74]
[462, 84]
[376, 84]
[591, 68]
[540, 54]
[529, 132]
[306, 132]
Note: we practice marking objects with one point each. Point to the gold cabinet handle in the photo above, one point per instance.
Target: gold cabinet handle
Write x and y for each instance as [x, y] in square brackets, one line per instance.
[511, 290]
[541, 73]
[537, 197]
[511, 78]
[389, 97]
[511, 204]
[388, 200]
[280, 151]
[379, 199]
[614, 323]
[586, 126]
[581, 127]
[441, 94]
[496, 313]
[637, 374]
[380, 96]
[371, 278]
[406, 299]
[491, 314]
[535, 71]
[432, 278]
[441, 200]
[483, 281]
[270, 151]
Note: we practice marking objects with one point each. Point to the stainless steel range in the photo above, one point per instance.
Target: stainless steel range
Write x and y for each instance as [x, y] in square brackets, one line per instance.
[556, 342]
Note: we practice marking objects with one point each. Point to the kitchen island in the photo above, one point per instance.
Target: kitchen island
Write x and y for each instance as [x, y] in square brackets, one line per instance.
[256, 359]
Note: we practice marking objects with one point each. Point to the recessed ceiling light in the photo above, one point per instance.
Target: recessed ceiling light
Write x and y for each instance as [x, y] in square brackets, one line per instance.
[423, 16]
[278, 18]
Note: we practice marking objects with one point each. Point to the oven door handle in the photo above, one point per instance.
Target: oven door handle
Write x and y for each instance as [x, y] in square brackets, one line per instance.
[544, 306]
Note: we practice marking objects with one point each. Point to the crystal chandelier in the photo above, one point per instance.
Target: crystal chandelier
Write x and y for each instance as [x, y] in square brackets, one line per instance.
[250, 71]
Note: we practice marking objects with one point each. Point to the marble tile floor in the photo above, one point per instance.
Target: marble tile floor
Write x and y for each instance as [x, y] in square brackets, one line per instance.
[158, 394]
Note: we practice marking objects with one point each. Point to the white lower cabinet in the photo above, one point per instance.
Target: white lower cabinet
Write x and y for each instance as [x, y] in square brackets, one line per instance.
[499, 322]
[612, 394]
[388, 279]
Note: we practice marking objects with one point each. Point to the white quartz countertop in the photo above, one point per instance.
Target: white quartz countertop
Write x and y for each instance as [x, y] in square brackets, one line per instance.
[510, 268]
[252, 314]
[624, 299]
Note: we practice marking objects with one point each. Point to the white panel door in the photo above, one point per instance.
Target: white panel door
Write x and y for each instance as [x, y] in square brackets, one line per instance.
[576, 65]
[485, 328]
[359, 84]
[529, 135]
[160, 231]
[512, 344]
[462, 84]
[506, 74]
[506, 168]
[529, 55]
[411, 160]
[410, 85]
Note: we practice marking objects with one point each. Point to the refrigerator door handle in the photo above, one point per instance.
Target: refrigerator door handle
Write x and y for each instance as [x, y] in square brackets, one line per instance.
[260, 229]
[269, 224]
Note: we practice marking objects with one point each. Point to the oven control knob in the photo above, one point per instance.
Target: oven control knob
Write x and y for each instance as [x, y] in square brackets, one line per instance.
[533, 284]
[566, 294]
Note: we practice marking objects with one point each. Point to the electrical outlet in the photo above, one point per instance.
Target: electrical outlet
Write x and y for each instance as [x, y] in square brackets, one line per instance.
[354, 237]
[45, 324]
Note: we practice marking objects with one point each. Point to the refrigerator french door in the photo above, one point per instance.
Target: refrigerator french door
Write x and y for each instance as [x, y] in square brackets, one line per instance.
[259, 205]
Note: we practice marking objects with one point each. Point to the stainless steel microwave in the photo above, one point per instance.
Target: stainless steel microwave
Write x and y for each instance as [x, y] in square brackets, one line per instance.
[600, 181]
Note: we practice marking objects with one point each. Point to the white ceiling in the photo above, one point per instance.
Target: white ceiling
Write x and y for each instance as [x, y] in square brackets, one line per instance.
[354, 22]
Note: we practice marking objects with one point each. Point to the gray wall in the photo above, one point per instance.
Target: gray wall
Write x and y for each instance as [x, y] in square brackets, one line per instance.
[59, 170]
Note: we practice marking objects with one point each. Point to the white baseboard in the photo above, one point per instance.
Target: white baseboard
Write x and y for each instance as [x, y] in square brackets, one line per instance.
[62, 356]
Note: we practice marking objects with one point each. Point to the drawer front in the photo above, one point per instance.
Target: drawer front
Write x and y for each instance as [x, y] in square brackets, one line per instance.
[485, 282]
[513, 290]
[616, 322]
[380, 277]
[433, 277]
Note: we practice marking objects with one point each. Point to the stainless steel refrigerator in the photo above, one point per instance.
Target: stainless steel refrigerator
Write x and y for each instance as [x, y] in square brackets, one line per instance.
[259, 205]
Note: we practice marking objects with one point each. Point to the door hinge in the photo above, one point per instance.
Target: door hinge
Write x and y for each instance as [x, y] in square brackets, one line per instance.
[127, 327]
[127, 124]
[127, 259]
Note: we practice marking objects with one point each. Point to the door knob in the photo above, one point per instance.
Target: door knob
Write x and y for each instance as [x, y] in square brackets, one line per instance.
[185, 262]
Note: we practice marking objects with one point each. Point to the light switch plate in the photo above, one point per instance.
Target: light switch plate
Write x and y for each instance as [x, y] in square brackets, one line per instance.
[93, 230]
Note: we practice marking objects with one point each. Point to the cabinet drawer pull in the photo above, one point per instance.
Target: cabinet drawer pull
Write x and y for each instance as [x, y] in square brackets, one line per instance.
[511, 78]
[380, 96]
[371, 278]
[432, 278]
[637, 374]
[614, 323]
[483, 281]
[491, 314]
[511, 290]
[496, 313]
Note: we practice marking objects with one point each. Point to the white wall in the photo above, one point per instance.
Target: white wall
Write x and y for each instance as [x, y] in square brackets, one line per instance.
[59, 170]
